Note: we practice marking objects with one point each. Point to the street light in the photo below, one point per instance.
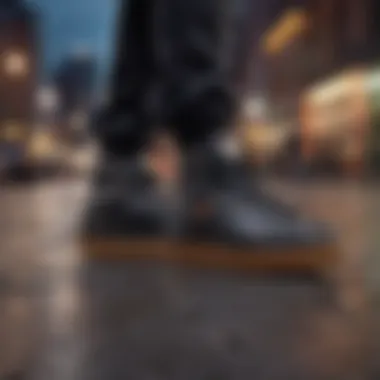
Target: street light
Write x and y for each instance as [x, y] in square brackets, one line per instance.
[12, 131]
[292, 24]
[16, 64]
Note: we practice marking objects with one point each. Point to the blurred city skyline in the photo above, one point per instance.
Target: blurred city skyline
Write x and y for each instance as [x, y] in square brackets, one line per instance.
[66, 26]
[75, 24]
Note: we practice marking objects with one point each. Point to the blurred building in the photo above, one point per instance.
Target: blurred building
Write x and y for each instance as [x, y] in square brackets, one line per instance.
[317, 54]
[18, 68]
[47, 105]
[312, 40]
[75, 81]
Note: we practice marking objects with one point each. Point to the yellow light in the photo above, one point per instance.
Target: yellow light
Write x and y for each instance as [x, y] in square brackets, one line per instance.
[41, 145]
[327, 91]
[334, 105]
[12, 131]
[16, 64]
[293, 23]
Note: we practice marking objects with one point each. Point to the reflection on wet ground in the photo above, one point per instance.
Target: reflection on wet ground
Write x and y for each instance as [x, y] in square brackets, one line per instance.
[65, 317]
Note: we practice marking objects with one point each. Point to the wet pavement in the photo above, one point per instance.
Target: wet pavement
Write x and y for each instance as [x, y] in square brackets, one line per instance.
[63, 316]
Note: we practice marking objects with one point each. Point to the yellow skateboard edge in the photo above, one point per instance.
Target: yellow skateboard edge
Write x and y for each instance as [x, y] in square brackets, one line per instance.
[315, 257]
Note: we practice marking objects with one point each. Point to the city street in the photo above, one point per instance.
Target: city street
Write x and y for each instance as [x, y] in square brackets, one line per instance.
[65, 317]
[294, 86]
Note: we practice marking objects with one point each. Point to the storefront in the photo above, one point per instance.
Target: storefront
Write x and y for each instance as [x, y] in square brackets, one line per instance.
[335, 121]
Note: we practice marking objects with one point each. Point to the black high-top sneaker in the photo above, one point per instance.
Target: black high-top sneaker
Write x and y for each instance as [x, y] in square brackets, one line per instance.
[129, 214]
[230, 222]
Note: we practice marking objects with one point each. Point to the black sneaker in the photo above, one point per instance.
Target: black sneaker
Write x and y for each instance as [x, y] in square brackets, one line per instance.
[127, 215]
[229, 221]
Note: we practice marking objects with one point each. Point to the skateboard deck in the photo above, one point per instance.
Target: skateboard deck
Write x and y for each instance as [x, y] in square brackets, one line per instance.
[214, 256]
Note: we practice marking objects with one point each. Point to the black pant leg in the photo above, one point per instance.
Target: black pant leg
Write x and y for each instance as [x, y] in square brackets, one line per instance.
[124, 126]
[191, 42]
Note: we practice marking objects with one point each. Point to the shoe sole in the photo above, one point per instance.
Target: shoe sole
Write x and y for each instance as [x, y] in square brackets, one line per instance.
[205, 255]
